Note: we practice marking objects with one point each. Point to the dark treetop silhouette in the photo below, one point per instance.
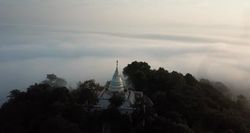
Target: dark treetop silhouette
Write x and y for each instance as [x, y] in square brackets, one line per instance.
[182, 104]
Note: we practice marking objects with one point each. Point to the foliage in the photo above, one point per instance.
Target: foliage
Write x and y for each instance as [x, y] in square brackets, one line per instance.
[181, 104]
[116, 100]
[55, 81]
[86, 92]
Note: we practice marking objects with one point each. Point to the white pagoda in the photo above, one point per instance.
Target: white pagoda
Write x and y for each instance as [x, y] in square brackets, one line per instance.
[118, 85]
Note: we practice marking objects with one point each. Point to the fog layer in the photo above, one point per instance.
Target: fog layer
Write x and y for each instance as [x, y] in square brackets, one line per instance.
[82, 39]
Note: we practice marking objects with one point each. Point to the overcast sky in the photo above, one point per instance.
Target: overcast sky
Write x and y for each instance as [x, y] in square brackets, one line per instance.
[82, 39]
[125, 12]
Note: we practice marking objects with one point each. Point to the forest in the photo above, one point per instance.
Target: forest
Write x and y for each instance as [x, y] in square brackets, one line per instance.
[181, 104]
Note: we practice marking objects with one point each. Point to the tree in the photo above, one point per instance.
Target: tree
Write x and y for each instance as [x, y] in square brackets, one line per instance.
[137, 73]
[14, 94]
[57, 124]
[86, 93]
[242, 102]
[190, 80]
[55, 81]
[116, 100]
[173, 103]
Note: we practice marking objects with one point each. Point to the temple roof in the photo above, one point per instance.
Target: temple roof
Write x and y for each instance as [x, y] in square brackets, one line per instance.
[116, 84]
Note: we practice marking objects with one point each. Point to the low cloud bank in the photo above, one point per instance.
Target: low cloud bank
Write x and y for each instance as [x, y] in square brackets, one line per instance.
[28, 54]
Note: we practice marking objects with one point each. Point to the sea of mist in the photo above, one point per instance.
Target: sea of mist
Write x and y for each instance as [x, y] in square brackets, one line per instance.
[29, 52]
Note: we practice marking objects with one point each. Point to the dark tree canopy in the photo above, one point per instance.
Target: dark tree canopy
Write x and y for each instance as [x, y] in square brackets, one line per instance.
[116, 100]
[198, 106]
[138, 73]
[55, 81]
[86, 92]
[181, 104]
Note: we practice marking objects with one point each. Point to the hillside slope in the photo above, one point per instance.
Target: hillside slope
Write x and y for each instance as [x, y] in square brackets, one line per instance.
[182, 104]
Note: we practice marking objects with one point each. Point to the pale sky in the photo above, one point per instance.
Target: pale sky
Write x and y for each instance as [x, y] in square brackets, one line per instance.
[82, 39]
[125, 12]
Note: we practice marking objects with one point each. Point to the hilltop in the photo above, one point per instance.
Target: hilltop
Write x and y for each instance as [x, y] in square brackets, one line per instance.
[181, 104]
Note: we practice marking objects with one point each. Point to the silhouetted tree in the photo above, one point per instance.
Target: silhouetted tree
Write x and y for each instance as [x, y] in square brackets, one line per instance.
[55, 81]
[242, 102]
[116, 100]
[86, 93]
[173, 103]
